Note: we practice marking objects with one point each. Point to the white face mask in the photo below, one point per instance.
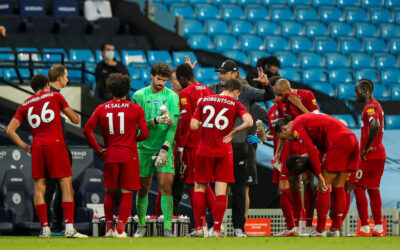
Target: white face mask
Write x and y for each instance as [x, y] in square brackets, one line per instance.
[109, 54]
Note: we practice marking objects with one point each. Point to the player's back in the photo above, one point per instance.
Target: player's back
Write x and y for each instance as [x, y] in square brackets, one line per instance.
[373, 110]
[273, 117]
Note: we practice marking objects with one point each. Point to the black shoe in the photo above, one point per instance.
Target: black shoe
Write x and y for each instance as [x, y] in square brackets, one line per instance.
[57, 229]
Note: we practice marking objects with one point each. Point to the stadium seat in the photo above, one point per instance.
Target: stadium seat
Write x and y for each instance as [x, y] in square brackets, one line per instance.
[389, 31]
[395, 92]
[265, 28]
[196, 2]
[274, 2]
[225, 2]
[372, 4]
[73, 25]
[240, 27]
[205, 12]
[257, 13]
[239, 56]
[312, 61]
[90, 78]
[393, 4]
[200, 42]
[99, 57]
[10, 75]
[216, 27]
[349, 46]
[314, 75]
[323, 46]
[340, 75]
[145, 74]
[381, 92]
[7, 7]
[356, 16]
[291, 74]
[82, 55]
[345, 91]
[339, 30]
[375, 46]
[347, 119]
[159, 56]
[4, 57]
[39, 25]
[65, 8]
[361, 61]
[334, 61]
[242, 73]
[54, 58]
[192, 27]
[25, 56]
[316, 30]
[397, 16]
[329, 15]
[366, 73]
[306, 15]
[288, 60]
[206, 74]
[348, 3]
[182, 10]
[179, 57]
[291, 29]
[324, 3]
[31, 8]
[170, 2]
[232, 13]
[226, 42]
[392, 121]
[366, 30]
[281, 14]
[300, 45]
[249, 2]
[41, 71]
[394, 46]
[325, 88]
[386, 62]
[381, 16]
[390, 76]
[133, 58]
[256, 55]
[294, 3]
[25, 74]
[277, 44]
[248, 43]
[138, 84]
[107, 26]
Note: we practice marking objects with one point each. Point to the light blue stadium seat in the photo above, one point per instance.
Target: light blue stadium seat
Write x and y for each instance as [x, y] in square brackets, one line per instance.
[134, 73]
[306, 15]
[255, 55]
[349, 46]
[345, 91]
[159, 56]
[362, 61]
[10, 75]
[394, 45]
[242, 73]
[316, 30]
[25, 56]
[288, 60]
[389, 31]
[397, 16]
[392, 121]
[340, 75]
[133, 57]
[372, 4]
[191, 27]
[182, 10]
[138, 84]
[237, 55]
[366, 73]
[170, 2]
[381, 92]
[329, 15]
[257, 13]
[265, 28]
[205, 12]
[41, 71]
[79, 55]
[390, 76]
[300, 45]
[325, 46]
[339, 30]
[232, 13]
[366, 30]
[54, 57]
[356, 16]
[98, 55]
[281, 14]
[393, 4]
[381, 16]
[179, 57]
[291, 29]
[241, 27]
[312, 61]
[145, 74]
[225, 2]
[324, 3]
[216, 27]
[161, 6]
[6, 56]
[277, 44]
[375, 46]
[206, 74]
[226, 42]
[200, 42]
[395, 92]
[334, 61]
[249, 2]
[314, 75]
[195, 2]
[296, 3]
[90, 78]
[347, 119]
[325, 88]
[348, 3]
[291, 74]
[385, 62]
[274, 2]
[249, 43]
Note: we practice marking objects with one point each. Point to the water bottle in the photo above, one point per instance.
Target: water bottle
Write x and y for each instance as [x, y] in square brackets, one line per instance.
[95, 226]
[260, 126]
[160, 225]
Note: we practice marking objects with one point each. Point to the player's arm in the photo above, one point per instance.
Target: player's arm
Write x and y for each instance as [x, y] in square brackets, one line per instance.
[11, 132]
[269, 135]
[142, 124]
[195, 124]
[374, 126]
[174, 110]
[88, 132]
[247, 123]
[186, 117]
[258, 95]
[72, 116]
[296, 101]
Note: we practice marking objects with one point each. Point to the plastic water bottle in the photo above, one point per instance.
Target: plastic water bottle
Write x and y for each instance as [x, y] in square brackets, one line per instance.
[260, 126]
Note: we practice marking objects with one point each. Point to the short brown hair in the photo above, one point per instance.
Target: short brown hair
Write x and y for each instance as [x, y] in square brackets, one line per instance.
[119, 84]
[161, 69]
[56, 71]
[38, 82]
[232, 84]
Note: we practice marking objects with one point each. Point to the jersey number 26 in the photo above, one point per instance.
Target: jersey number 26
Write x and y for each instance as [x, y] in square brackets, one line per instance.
[218, 119]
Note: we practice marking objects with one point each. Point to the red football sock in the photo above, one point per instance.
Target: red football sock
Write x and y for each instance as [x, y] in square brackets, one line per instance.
[158, 204]
[210, 199]
[309, 204]
[323, 203]
[362, 204]
[348, 202]
[376, 205]
[125, 209]
[68, 208]
[219, 211]
[109, 209]
[199, 203]
[298, 208]
[287, 208]
[338, 206]
[41, 211]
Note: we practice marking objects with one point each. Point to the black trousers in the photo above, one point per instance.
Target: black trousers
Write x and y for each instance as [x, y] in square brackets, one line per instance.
[238, 188]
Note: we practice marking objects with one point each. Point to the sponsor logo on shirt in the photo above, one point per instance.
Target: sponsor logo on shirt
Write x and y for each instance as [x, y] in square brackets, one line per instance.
[156, 102]
[314, 102]
[184, 101]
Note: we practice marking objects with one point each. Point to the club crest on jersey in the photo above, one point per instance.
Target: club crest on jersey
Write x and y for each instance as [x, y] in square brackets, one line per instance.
[371, 111]
[184, 101]
[296, 134]
[314, 102]
[277, 113]
[156, 102]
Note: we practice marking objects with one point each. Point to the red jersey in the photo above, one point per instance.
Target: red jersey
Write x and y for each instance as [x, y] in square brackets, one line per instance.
[189, 98]
[317, 132]
[217, 114]
[306, 97]
[43, 113]
[118, 120]
[273, 117]
[373, 110]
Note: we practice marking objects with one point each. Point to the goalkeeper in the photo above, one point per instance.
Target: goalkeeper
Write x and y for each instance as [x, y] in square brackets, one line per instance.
[161, 109]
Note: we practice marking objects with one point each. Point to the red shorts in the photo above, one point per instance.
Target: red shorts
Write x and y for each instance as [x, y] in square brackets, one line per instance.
[210, 169]
[343, 155]
[352, 178]
[127, 175]
[189, 157]
[370, 173]
[50, 161]
[290, 148]
[275, 176]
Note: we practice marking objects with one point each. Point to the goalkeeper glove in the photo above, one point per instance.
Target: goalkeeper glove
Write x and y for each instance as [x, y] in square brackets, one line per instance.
[161, 157]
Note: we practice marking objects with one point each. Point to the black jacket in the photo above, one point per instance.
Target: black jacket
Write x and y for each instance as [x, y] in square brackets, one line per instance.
[101, 73]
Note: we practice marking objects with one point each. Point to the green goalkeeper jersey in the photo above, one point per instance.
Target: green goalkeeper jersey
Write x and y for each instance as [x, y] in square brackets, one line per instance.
[151, 103]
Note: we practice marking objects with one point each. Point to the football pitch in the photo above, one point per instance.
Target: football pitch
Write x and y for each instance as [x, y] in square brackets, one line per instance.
[266, 243]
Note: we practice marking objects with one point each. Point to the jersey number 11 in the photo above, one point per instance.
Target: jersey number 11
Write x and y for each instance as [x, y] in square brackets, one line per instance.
[121, 122]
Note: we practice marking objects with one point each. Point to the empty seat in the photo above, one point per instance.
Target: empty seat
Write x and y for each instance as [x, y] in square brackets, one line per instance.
[390, 76]
[281, 14]
[134, 73]
[226, 42]
[323, 3]
[232, 13]
[331, 15]
[159, 56]
[31, 8]
[205, 12]
[375, 46]
[10, 75]
[381, 16]
[179, 57]
[366, 73]
[392, 4]
[306, 15]
[347, 119]
[239, 56]
[195, 2]
[340, 75]
[215, 27]
[277, 44]
[325, 46]
[240, 27]
[6, 57]
[325, 88]
[392, 121]
[390, 31]
[290, 29]
[348, 3]
[314, 75]
[265, 28]
[381, 92]
[356, 16]
[395, 46]
[145, 73]
[339, 30]
[65, 8]
[182, 10]
[248, 43]
[39, 25]
[385, 62]
[294, 3]
[334, 61]
[345, 91]
[366, 30]
[138, 84]
[316, 30]
[302, 45]
[206, 74]
[348, 46]
[372, 3]
[82, 55]
[395, 91]
[257, 13]
[191, 27]
[25, 56]
[291, 74]
[397, 16]
[73, 25]
[288, 60]
[361, 61]
[200, 42]
[274, 2]
[224, 2]
[255, 55]
[133, 57]
[248, 2]
[170, 2]
[54, 58]
[312, 61]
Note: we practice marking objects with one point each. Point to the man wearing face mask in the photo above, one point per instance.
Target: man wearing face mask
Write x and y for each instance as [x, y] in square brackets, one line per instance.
[106, 67]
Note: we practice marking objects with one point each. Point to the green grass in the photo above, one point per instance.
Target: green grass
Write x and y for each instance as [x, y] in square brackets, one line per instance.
[266, 243]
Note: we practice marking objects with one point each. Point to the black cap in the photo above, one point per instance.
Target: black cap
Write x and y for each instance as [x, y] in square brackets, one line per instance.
[227, 66]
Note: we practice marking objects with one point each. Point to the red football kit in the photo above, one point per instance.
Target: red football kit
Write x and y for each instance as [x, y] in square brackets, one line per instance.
[325, 134]
[273, 117]
[119, 120]
[49, 153]
[214, 158]
[189, 139]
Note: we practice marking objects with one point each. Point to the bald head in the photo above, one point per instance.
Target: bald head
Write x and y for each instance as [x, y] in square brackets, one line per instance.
[282, 88]
[283, 84]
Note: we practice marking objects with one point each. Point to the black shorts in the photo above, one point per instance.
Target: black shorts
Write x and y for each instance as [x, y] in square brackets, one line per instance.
[251, 166]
